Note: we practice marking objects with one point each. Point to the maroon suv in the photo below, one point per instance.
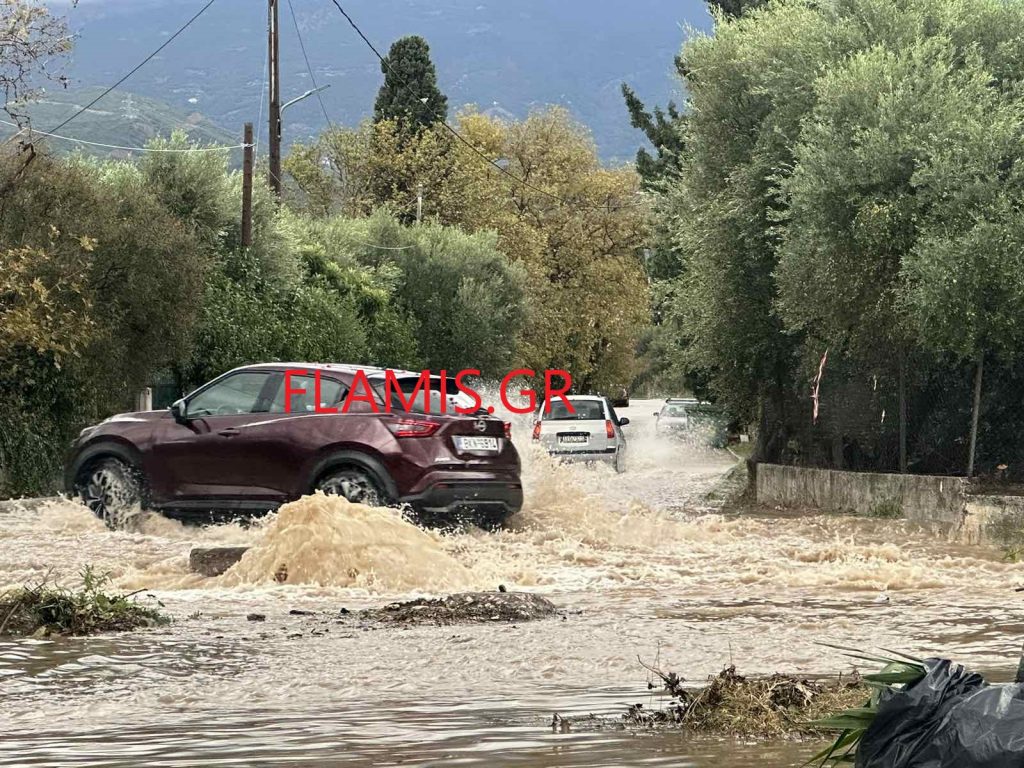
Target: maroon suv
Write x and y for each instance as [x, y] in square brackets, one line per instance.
[236, 445]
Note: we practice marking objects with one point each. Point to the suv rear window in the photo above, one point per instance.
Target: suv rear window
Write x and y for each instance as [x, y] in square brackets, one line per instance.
[456, 399]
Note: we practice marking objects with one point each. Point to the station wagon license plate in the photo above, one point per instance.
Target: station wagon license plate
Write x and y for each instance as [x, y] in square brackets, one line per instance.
[581, 439]
[476, 443]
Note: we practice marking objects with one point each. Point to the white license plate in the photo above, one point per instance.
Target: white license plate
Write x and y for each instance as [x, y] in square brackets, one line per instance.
[574, 439]
[476, 443]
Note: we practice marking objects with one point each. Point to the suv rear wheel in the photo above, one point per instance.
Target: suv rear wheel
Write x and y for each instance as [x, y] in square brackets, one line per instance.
[111, 489]
[355, 484]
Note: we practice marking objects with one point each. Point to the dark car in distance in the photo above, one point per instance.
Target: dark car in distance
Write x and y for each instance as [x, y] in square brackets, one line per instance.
[231, 446]
[620, 399]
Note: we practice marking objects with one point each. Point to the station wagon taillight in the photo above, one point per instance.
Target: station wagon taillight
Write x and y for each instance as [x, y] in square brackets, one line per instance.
[609, 428]
[536, 430]
[413, 428]
[508, 430]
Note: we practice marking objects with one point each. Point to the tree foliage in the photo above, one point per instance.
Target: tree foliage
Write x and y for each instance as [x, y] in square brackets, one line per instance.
[735, 8]
[32, 44]
[577, 231]
[663, 129]
[409, 95]
[115, 276]
[849, 183]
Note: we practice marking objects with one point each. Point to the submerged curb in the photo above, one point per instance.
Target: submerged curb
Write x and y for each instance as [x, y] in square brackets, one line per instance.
[213, 561]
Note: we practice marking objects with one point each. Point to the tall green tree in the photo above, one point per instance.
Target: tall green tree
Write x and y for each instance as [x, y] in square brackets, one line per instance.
[410, 95]
[965, 276]
[663, 128]
[845, 184]
[101, 288]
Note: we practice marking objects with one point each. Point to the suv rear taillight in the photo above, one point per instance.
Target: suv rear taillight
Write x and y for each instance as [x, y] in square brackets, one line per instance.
[536, 430]
[609, 428]
[413, 428]
[508, 430]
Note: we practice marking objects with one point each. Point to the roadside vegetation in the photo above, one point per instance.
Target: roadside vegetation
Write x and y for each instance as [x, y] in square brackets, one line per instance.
[844, 179]
[48, 609]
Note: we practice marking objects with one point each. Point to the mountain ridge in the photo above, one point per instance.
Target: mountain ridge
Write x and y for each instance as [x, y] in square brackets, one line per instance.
[506, 57]
[121, 119]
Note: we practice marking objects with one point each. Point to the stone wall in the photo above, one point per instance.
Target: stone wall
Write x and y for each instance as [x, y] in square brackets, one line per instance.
[921, 498]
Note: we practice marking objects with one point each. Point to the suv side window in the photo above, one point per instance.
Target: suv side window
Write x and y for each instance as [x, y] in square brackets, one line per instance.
[239, 393]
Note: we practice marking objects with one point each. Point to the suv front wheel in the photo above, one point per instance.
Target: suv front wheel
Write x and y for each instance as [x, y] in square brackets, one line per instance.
[355, 484]
[111, 488]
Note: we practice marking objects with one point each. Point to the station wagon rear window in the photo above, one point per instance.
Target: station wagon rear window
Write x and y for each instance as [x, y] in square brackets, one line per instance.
[586, 410]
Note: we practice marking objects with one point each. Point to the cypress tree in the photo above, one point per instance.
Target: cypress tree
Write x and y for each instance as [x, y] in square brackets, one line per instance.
[410, 95]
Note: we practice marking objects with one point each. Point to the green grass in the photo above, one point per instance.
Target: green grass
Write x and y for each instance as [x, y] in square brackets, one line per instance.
[48, 609]
[887, 509]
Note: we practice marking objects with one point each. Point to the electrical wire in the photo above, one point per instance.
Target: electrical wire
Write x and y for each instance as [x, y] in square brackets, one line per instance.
[141, 64]
[263, 93]
[119, 146]
[490, 161]
[309, 67]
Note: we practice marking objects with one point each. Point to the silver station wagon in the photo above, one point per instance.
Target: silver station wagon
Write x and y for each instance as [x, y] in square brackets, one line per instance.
[590, 432]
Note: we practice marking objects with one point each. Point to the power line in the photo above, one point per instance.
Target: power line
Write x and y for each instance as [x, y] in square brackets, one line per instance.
[490, 161]
[141, 64]
[118, 146]
[309, 68]
[263, 94]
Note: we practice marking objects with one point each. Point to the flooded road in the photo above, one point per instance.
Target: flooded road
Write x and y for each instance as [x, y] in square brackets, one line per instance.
[640, 562]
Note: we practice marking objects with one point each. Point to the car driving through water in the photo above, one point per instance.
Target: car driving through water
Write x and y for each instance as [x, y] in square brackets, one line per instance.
[690, 419]
[588, 431]
[233, 444]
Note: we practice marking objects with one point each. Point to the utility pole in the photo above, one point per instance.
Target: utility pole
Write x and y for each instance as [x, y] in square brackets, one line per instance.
[247, 187]
[419, 202]
[275, 97]
[903, 411]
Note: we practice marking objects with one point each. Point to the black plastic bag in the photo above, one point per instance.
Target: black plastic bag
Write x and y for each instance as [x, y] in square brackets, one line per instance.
[950, 718]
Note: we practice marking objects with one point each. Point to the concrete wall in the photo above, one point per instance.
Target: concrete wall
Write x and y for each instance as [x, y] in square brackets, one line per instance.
[922, 498]
[996, 520]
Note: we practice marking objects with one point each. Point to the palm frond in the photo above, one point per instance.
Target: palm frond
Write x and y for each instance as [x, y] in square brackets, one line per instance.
[852, 723]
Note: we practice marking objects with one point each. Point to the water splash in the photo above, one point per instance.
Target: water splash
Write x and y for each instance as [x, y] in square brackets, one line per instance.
[328, 541]
[581, 528]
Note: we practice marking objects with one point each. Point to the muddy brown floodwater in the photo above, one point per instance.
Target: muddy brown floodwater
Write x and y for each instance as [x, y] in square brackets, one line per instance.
[639, 562]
